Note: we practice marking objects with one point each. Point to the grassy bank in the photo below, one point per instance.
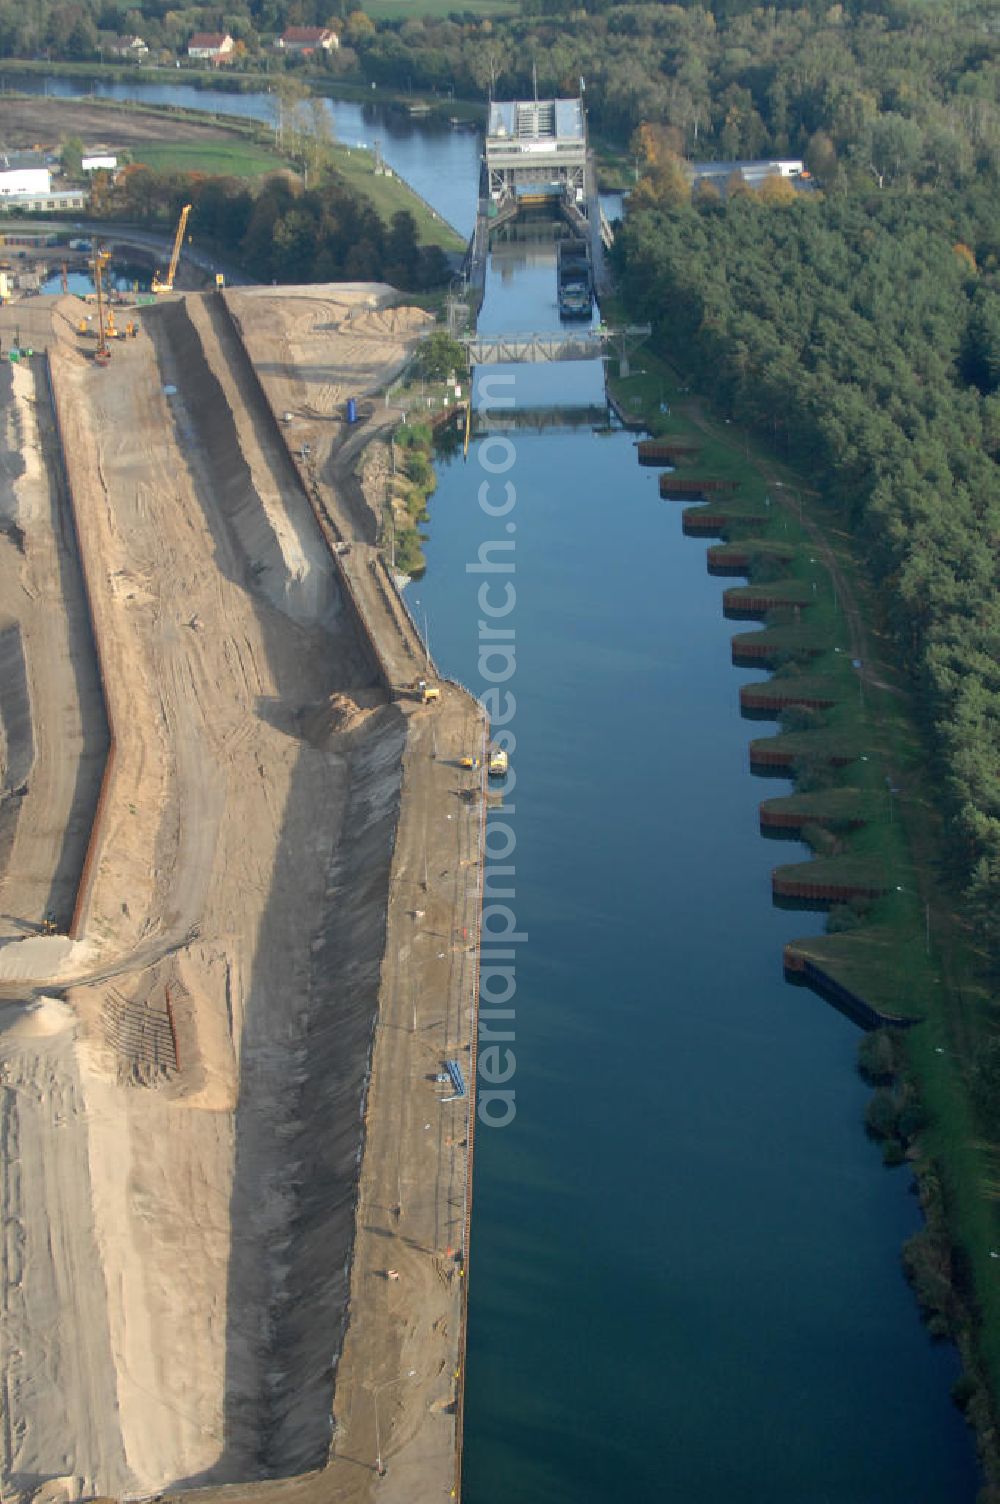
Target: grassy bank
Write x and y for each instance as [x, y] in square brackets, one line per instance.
[250, 158]
[389, 194]
[910, 953]
[245, 149]
[240, 159]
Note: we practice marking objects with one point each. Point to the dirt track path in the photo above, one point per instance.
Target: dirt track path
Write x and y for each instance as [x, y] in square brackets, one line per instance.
[44, 831]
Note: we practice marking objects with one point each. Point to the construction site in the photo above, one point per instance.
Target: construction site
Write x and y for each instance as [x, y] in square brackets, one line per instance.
[241, 824]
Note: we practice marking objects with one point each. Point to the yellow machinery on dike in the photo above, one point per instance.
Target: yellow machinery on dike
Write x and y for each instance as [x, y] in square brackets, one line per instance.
[428, 692]
[497, 763]
[167, 285]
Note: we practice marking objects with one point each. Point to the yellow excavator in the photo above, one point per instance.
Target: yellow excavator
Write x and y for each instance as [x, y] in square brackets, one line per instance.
[497, 762]
[168, 284]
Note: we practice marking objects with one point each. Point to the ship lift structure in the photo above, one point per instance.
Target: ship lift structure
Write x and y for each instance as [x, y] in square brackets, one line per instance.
[537, 161]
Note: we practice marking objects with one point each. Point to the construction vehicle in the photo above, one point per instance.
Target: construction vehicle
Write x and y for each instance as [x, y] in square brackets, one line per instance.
[220, 280]
[167, 285]
[428, 692]
[101, 258]
[497, 764]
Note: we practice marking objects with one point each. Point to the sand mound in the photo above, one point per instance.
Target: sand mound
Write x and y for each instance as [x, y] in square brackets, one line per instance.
[35, 1020]
[391, 323]
[336, 715]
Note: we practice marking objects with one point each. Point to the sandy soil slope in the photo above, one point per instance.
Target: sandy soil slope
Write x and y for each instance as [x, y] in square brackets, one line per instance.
[220, 1125]
[233, 933]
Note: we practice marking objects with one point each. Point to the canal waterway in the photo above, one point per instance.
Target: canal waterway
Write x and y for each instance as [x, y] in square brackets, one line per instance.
[685, 1276]
[440, 163]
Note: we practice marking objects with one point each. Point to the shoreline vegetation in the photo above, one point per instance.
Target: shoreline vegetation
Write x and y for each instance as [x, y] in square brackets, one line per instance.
[430, 393]
[243, 157]
[355, 87]
[862, 790]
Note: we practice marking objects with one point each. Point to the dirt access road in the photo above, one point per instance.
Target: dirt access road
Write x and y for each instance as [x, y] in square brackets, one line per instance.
[33, 121]
[194, 1294]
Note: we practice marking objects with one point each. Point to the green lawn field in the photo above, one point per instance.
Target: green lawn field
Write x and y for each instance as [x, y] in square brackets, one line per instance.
[242, 159]
[235, 159]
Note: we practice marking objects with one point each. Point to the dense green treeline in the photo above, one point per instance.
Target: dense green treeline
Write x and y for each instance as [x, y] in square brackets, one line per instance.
[861, 337]
[890, 90]
[283, 233]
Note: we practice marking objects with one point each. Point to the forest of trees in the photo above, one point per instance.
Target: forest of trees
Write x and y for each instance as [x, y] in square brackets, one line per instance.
[284, 233]
[861, 335]
[897, 89]
[892, 90]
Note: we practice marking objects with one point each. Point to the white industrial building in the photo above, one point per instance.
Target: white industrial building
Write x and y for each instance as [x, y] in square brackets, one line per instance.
[24, 172]
[59, 200]
[752, 173]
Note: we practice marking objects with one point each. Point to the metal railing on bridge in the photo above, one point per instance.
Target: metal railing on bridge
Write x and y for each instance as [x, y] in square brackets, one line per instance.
[559, 344]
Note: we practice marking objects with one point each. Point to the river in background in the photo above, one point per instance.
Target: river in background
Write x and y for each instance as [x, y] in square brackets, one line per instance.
[442, 164]
[685, 1275]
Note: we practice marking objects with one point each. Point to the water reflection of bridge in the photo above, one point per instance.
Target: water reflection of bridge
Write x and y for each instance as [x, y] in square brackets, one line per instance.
[541, 419]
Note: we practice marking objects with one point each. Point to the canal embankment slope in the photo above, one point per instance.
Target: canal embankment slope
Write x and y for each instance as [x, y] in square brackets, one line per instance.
[245, 915]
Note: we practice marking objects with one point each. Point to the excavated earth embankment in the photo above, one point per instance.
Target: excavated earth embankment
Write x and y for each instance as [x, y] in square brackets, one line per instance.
[182, 1088]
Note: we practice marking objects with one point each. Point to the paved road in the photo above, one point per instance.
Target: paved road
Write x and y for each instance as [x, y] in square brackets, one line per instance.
[158, 242]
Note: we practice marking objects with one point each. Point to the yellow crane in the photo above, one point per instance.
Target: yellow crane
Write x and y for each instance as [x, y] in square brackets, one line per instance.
[101, 258]
[168, 284]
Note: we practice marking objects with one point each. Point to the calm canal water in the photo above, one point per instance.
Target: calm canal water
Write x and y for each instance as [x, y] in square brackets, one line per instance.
[685, 1263]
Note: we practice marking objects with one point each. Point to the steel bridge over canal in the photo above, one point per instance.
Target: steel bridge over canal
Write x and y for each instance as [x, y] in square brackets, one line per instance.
[560, 344]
